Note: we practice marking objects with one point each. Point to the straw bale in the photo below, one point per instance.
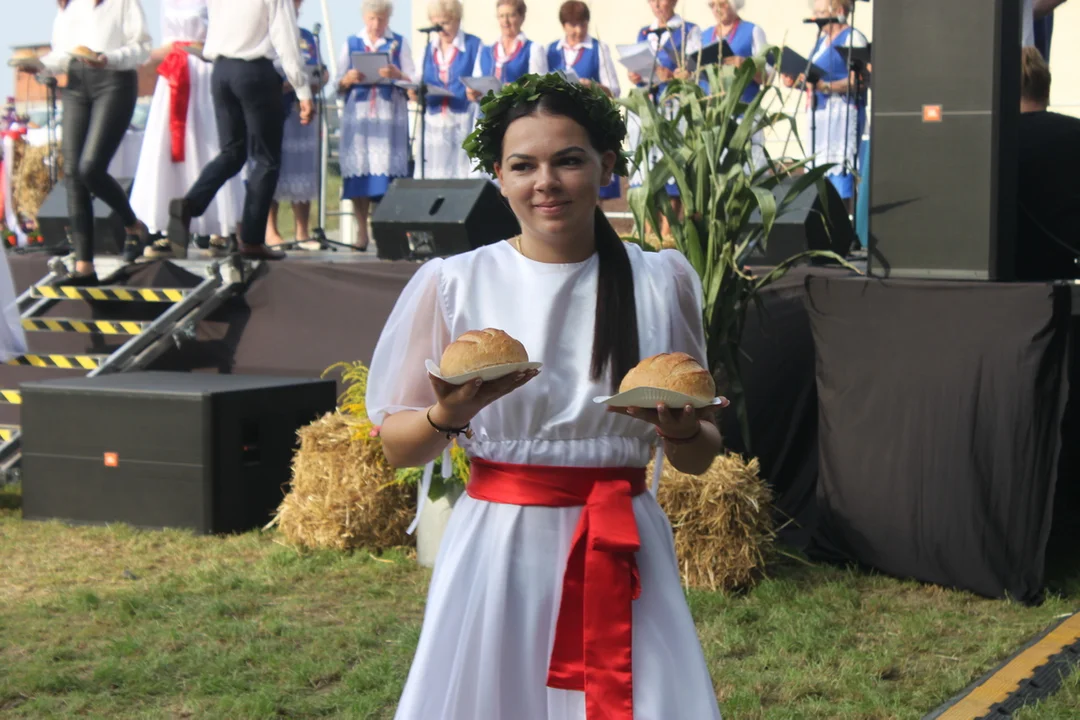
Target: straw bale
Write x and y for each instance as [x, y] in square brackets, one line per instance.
[30, 179]
[343, 493]
[722, 523]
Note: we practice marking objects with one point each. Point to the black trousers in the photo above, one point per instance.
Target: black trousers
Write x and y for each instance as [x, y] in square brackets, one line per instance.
[250, 120]
[98, 105]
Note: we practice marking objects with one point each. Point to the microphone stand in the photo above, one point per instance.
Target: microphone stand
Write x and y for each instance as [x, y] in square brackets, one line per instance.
[50, 86]
[813, 93]
[421, 97]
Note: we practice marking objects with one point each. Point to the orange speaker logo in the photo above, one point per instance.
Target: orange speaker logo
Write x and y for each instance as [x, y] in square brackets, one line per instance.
[931, 113]
[112, 459]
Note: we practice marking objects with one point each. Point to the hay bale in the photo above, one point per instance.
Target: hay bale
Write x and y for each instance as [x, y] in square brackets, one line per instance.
[343, 492]
[30, 179]
[722, 522]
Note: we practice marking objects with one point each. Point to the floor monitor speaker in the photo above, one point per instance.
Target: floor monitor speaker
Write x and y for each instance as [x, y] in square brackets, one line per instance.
[810, 222]
[419, 219]
[155, 449]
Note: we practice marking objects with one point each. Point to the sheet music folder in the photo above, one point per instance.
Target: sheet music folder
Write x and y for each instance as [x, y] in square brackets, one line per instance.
[709, 55]
[793, 64]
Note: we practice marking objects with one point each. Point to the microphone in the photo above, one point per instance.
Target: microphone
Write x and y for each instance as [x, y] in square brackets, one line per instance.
[317, 29]
[434, 28]
[674, 25]
[822, 22]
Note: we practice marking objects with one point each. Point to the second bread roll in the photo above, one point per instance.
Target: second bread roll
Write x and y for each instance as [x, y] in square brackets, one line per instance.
[676, 371]
[479, 349]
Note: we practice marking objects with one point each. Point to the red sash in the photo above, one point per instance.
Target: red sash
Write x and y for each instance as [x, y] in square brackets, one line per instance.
[174, 68]
[594, 630]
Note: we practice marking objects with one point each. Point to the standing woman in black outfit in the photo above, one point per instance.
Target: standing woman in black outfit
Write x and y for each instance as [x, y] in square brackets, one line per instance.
[98, 103]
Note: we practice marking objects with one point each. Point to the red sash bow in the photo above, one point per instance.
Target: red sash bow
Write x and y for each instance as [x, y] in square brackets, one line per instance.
[594, 630]
[174, 68]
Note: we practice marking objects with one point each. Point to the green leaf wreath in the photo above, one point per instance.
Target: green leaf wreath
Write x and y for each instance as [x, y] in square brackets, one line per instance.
[484, 144]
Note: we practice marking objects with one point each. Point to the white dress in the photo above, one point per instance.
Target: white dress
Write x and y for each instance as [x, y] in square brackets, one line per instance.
[494, 596]
[158, 179]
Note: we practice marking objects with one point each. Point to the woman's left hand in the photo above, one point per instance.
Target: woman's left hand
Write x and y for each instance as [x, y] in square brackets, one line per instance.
[682, 74]
[663, 74]
[681, 424]
[390, 72]
[99, 62]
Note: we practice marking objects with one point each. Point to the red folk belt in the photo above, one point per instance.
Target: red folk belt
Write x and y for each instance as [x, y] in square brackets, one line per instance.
[594, 630]
[174, 68]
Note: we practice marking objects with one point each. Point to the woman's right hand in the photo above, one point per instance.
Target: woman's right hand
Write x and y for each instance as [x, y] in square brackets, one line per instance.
[634, 78]
[413, 96]
[352, 77]
[458, 404]
[473, 95]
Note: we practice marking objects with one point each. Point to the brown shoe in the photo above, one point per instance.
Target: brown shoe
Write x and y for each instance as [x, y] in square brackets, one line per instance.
[260, 252]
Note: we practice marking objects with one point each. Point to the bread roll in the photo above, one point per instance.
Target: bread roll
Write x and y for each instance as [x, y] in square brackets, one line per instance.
[671, 371]
[479, 349]
[83, 51]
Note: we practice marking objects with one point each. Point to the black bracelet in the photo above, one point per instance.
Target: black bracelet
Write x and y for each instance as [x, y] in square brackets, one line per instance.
[450, 433]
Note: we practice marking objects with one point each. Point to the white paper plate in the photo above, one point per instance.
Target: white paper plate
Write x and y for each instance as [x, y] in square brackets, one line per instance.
[84, 56]
[487, 374]
[648, 397]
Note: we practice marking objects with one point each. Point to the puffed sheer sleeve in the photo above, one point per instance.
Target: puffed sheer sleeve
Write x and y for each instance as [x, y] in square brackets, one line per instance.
[687, 329]
[417, 330]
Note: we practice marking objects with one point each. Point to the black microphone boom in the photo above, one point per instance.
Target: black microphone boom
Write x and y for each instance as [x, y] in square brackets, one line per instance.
[434, 28]
[822, 22]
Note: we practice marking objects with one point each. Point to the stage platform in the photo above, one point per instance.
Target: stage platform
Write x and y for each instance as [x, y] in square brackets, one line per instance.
[895, 347]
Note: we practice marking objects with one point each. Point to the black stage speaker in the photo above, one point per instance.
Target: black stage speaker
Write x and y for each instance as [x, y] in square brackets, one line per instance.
[945, 122]
[189, 450]
[418, 219]
[808, 223]
[108, 227]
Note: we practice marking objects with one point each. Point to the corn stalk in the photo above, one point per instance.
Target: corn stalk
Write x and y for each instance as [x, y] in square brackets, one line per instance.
[702, 141]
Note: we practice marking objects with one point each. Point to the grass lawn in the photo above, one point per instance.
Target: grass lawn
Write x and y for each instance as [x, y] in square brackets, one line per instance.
[120, 623]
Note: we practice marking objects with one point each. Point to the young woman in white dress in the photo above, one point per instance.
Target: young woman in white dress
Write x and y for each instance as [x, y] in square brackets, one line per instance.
[375, 124]
[450, 56]
[503, 635]
[178, 143]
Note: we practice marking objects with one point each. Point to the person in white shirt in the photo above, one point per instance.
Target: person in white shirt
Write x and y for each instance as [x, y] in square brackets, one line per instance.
[178, 144]
[513, 54]
[243, 40]
[98, 43]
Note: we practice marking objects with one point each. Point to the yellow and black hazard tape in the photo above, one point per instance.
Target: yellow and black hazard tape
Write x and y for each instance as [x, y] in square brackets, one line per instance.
[8, 431]
[123, 294]
[100, 327]
[1034, 673]
[71, 362]
[10, 397]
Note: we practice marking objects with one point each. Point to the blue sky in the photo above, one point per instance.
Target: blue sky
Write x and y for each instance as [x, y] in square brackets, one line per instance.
[37, 17]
